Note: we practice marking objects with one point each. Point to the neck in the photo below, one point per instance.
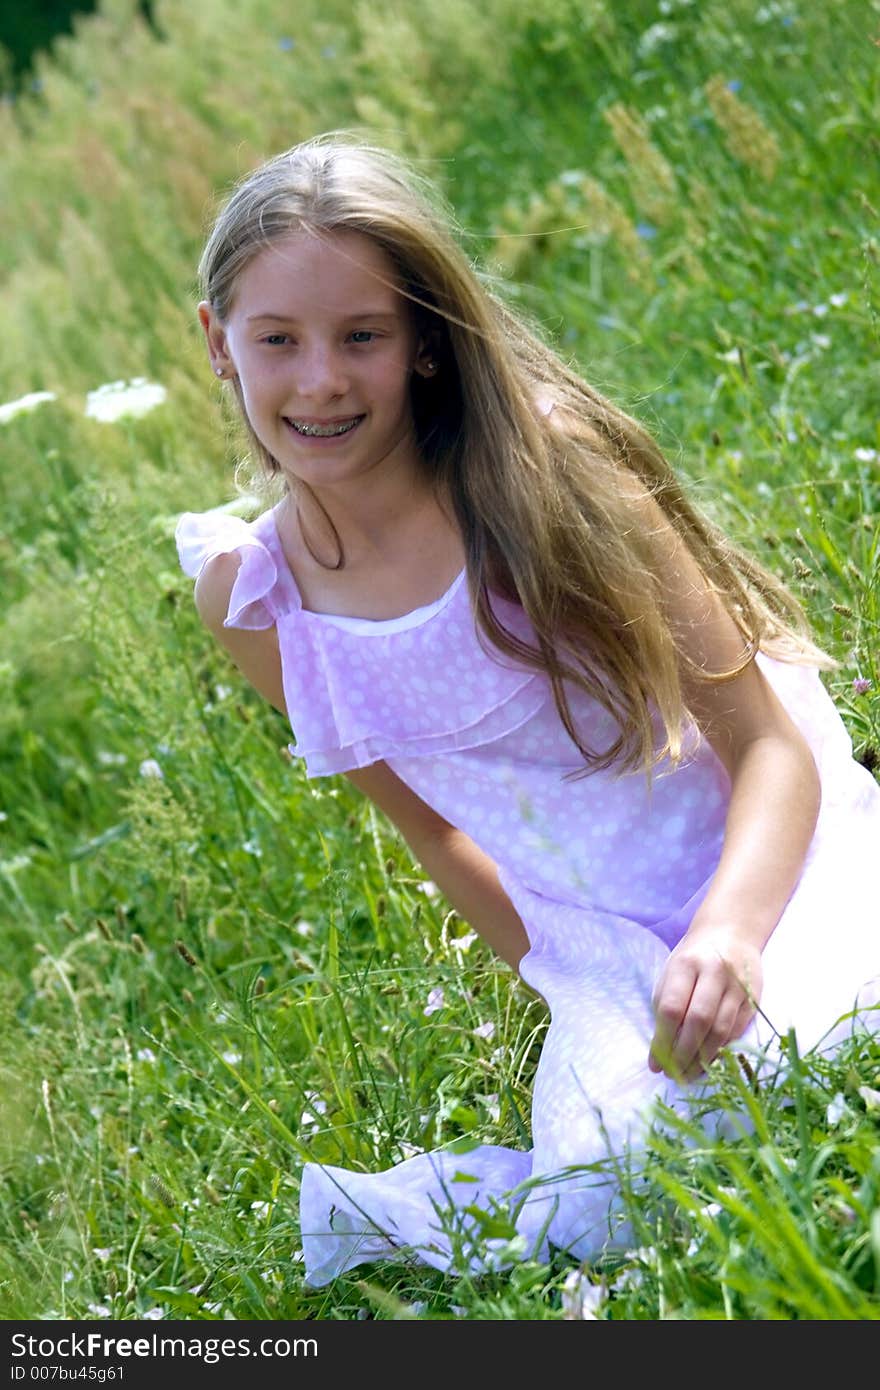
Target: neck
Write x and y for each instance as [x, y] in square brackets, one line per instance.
[363, 523]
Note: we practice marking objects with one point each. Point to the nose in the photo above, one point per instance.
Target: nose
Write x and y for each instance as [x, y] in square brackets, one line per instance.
[321, 375]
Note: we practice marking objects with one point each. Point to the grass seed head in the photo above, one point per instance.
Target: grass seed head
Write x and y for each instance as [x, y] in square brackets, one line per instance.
[747, 137]
[185, 953]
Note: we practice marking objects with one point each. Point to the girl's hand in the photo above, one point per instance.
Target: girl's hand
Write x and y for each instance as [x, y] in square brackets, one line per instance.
[704, 999]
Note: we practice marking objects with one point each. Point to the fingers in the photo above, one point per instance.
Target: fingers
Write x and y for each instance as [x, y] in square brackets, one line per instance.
[672, 998]
[709, 1025]
[697, 1013]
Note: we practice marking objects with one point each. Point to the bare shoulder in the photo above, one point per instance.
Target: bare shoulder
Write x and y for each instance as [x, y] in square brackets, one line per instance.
[254, 651]
[213, 589]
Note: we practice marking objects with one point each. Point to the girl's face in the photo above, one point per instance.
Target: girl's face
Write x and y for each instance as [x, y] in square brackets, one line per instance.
[323, 346]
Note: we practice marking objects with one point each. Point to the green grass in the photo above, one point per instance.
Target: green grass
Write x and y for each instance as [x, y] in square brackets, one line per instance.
[720, 278]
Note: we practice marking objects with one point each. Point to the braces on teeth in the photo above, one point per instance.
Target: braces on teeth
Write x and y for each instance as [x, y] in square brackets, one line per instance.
[325, 429]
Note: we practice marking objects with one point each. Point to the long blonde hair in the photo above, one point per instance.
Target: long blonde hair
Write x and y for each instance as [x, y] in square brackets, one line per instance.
[546, 515]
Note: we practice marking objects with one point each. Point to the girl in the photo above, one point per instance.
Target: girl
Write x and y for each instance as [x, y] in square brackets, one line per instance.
[599, 726]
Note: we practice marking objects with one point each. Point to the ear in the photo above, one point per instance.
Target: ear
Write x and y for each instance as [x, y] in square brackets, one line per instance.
[426, 363]
[215, 336]
[427, 358]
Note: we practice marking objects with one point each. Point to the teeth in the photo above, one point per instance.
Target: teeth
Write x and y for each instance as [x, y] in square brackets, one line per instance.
[324, 431]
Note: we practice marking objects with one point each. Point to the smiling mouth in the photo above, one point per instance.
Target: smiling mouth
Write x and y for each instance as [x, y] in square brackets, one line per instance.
[312, 431]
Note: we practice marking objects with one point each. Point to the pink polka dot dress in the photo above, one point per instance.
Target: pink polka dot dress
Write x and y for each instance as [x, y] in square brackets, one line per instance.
[604, 875]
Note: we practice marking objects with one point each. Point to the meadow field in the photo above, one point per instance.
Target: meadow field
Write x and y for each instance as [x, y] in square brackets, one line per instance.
[211, 969]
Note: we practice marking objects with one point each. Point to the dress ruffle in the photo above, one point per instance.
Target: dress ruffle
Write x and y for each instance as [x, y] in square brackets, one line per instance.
[202, 535]
[384, 691]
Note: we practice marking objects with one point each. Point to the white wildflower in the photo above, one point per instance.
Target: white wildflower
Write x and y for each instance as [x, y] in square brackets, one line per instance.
[24, 404]
[310, 1117]
[102, 1252]
[98, 1310]
[866, 455]
[819, 310]
[655, 36]
[260, 1208]
[430, 889]
[233, 1058]
[436, 1001]
[145, 1054]
[731, 356]
[116, 399]
[154, 1314]
[870, 1097]
[838, 300]
[836, 1109]
[463, 943]
[485, 1030]
[107, 759]
[150, 768]
[15, 863]
[304, 928]
[580, 1297]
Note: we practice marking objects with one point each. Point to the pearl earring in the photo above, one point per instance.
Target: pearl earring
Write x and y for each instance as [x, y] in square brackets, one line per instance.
[219, 371]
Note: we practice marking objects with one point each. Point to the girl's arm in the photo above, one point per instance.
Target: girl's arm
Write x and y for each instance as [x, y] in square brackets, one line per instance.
[466, 876]
[711, 984]
[254, 650]
[706, 995]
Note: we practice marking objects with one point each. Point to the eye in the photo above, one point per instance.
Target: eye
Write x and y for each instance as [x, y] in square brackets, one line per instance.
[363, 335]
[274, 339]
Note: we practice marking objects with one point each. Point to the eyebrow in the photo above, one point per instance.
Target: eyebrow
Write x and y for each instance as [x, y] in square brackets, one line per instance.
[347, 318]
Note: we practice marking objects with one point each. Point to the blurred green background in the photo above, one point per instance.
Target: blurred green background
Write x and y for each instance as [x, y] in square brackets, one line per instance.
[26, 28]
